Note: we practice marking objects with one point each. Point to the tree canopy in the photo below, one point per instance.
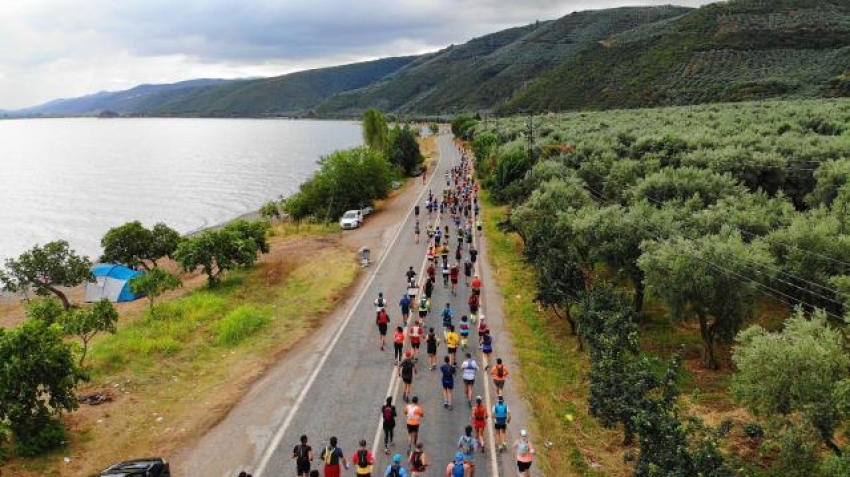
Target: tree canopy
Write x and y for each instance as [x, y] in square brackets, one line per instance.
[135, 246]
[215, 252]
[46, 268]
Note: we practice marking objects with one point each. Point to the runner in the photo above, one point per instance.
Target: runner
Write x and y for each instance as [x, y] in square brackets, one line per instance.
[431, 343]
[467, 445]
[444, 252]
[410, 274]
[476, 285]
[412, 288]
[447, 315]
[332, 457]
[388, 414]
[404, 304]
[464, 332]
[429, 288]
[446, 272]
[382, 320]
[486, 342]
[473, 301]
[467, 270]
[416, 230]
[398, 344]
[406, 371]
[424, 305]
[416, 212]
[452, 340]
[469, 368]
[524, 454]
[396, 469]
[362, 460]
[459, 468]
[302, 454]
[500, 374]
[380, 303]
[432, 272]
[414, 333]
[479, 420]
[418, 461]
[454, 272]
[459, 250]
[501, 419]
[414, 414]
[448, 371]
[473, 254]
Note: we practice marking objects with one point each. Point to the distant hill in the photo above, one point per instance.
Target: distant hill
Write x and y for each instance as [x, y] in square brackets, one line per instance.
[734, 51]
[615, 58]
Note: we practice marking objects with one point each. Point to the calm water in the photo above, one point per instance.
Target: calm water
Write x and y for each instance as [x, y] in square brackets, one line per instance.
[74, 179]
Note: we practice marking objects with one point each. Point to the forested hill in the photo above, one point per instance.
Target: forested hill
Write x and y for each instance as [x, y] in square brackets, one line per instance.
[615, 58]
[740, 50]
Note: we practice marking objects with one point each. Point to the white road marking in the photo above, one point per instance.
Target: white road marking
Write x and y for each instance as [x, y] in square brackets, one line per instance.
[275, 442]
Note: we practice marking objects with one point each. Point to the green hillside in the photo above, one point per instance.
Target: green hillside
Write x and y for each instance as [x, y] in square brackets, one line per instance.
[488, 71]
[292, 94]
[740, 50]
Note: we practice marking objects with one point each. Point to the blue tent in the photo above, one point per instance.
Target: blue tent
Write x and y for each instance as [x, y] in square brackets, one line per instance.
[111, 282]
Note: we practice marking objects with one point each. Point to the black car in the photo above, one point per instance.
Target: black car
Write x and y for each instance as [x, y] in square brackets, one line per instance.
[147, 467]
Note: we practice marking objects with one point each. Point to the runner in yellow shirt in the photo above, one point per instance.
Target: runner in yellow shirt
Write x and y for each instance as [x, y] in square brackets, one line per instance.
[452, 340]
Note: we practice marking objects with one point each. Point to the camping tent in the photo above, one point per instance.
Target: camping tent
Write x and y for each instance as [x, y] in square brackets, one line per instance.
[111, 282]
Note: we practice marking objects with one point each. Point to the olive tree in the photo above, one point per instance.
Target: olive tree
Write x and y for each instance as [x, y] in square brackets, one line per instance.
[46, 268]
[86, 323]
[802, 369]
[135, 246]
[153, 284]
[715, 277]
[48, 310]
[215, 252]
[37, 379]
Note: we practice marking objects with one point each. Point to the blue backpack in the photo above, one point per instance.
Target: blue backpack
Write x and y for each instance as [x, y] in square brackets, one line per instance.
[458, 470]
[500, 412]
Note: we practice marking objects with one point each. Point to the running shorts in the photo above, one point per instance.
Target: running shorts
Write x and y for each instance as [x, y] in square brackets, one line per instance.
[501, 426]
[302, 467]
[523, 466]
[448, 384]
[413, 428]
[452, 350]
[470, 382]
[414, 344]
[479, 423]
[382, 328]
[500, 383]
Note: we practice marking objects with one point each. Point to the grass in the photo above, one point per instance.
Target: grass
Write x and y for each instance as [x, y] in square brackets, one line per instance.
[176, 374]
[557, 387]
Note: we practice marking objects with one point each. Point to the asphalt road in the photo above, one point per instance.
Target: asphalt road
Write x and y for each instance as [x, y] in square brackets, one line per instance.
[335, 384]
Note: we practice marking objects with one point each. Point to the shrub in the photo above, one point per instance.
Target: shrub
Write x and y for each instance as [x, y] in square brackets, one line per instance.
[42, 436]
[239, 324]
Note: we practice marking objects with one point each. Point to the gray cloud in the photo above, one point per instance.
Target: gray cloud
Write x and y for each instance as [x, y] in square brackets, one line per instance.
[66, 48]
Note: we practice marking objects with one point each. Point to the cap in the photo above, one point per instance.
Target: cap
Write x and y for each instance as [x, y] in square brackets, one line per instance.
[523, 433]
[459, 457]
[501, 398]
[478, 398]
[397, 458]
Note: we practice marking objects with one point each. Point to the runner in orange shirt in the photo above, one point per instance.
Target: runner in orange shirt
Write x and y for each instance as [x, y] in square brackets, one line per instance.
[413, 413]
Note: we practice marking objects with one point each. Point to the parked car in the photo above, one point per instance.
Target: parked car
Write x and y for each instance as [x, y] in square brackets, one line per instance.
[366, 210]
[147, 467]
[351, 219]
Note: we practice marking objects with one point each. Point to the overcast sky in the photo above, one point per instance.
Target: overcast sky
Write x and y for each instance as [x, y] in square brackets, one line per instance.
[65, 48]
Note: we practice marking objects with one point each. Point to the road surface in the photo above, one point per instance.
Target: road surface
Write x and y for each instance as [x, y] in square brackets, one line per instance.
[335, 382]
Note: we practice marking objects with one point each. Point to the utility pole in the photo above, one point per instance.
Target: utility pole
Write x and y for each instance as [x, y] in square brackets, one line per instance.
[529, 136]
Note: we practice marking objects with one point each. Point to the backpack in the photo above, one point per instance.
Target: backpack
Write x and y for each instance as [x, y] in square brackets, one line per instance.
[330, 452]
[459, 470]
[416, 461]
[522, 447]
[500, 370]
[362, 458]
[302, 452]
[395, 471]
[500, 411]
[389, 415]
[467, 446]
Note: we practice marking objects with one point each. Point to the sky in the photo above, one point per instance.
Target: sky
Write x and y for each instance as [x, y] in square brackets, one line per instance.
[66, 48]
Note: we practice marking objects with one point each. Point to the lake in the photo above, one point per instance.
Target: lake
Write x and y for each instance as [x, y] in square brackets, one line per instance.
[74, 179]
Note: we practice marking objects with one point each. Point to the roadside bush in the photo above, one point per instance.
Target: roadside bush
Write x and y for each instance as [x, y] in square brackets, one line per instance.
[346, 180]
[239, 324]
[39, 437]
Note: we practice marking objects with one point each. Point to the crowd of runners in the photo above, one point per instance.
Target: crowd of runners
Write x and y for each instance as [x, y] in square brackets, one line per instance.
[451, 225]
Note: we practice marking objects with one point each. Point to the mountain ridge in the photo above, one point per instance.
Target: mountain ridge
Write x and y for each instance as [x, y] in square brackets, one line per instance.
[598, 59]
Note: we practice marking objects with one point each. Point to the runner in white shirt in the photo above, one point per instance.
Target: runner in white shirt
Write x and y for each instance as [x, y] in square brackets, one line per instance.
[469, 368]
[380, 303]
